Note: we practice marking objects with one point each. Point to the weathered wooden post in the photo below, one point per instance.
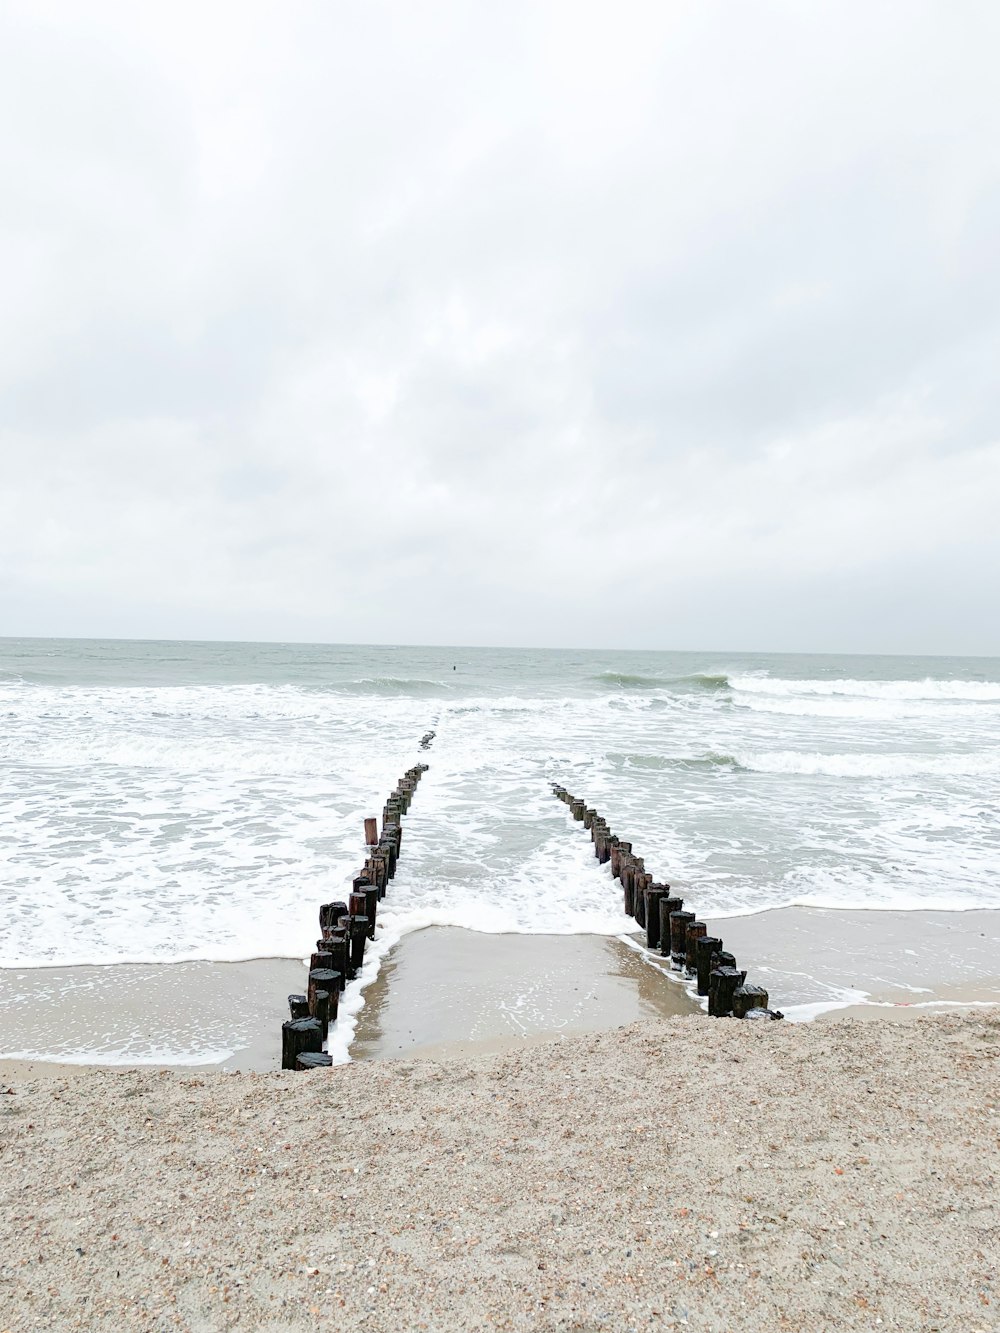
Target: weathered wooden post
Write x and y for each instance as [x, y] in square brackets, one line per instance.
[706, 950]
[324, 979]
[337, 947]
[577, 809]
[371, 831]
[307, 1060]
[358, 935]
[642, 883]
[654, 894]
[692, 934]
[329, 914]
[371, 893]
[297, 1036]
[722, 982]
[746, 998]
[628, 885]
[678, 942]
[668, 905]
[298, 1006]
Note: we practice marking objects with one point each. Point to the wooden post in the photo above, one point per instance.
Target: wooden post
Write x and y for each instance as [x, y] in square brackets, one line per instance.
[746, 998]
[324, 979]
[298, 1006]
[642, 883]
[589, 815]
[706, 950]
[693, 933]
[358, 902]
[668, 905]
[340, 950]
[654, 894]
[299, 1035]
[628, 886]
[313, 1060]
[358, 935]
[722, 982]
[678, 937]
[371, 893]
[321, 1008]
[329, 914]
[371, 831]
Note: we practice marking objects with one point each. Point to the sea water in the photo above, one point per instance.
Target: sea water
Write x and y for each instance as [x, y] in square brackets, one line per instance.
[176, 801]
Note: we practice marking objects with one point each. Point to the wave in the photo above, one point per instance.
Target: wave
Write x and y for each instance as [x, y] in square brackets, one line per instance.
[709, 760]
[621, 680]
[798, 763]
[698, 680]
[942, 691]
[391, 685]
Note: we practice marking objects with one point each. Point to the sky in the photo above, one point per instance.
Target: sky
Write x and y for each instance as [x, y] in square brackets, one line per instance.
[652, 325]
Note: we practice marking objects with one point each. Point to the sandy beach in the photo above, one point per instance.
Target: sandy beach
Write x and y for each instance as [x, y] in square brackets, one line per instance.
[678, 1173]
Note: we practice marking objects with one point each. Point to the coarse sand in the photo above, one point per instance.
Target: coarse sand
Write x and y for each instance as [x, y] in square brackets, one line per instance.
[684, 1172]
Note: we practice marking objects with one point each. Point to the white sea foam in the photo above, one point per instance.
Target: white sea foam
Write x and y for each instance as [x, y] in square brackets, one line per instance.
[876, 765]
[929, 688]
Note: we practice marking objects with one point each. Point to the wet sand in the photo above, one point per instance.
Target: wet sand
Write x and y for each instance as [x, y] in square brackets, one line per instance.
[441, 989]
[812, 957]
[226, 1015]
[445, 991]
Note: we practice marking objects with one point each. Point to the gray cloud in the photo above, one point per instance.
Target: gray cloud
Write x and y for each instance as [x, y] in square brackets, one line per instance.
[661, 325]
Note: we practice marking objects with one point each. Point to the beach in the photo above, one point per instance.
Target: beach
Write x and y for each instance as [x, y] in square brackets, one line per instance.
[676, 1173]
[444, 991]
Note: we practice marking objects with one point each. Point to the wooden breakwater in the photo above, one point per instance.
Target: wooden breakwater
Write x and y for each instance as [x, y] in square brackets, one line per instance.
[670, 930]
[344, 929]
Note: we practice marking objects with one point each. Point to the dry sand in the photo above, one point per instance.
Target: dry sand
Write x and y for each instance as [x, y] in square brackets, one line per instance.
[684, 1172]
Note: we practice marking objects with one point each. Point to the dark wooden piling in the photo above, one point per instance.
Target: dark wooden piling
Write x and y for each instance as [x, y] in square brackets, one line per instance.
[628, 888]
[667, 906]
[693, 933]
[706, 950]
[654, 896]
[722, 983]
[313, 1060]
[321, 958]
[329, 914]
[299, 1035]
[324, 979]
[678, 938]
[298, 1006]
[371, 893]
[746, 998]
[358, 902]
[642, 883]
[371, 831]
[358, 935]
[321, 1009]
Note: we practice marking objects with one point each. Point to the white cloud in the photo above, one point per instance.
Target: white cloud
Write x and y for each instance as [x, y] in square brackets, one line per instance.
[660, 324]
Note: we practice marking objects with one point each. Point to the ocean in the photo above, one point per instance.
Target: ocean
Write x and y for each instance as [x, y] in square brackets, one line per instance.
[177, 801]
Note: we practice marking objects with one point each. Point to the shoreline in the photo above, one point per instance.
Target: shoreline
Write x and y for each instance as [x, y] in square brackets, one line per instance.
[227, 1016]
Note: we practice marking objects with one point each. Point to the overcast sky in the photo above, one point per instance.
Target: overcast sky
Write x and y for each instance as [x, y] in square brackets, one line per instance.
[653, 325]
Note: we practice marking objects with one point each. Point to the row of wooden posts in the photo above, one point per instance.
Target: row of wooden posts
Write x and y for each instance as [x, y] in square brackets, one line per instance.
[344, 928]
[677, 934]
